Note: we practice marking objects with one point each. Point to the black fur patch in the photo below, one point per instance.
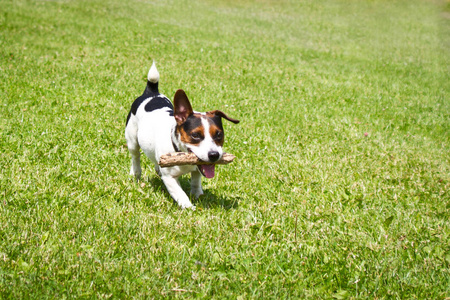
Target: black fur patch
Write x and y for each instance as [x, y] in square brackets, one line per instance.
[216, 120]
[191, 123]
[151, 90]
[158, 103]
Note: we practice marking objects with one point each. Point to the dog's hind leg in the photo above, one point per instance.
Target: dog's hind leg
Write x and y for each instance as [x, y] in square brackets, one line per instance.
[135, 169]
[133, 147]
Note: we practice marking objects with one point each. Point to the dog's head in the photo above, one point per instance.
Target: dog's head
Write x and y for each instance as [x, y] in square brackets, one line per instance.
[200, 133]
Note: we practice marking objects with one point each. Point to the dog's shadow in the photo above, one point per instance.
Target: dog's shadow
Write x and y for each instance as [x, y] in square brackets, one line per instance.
[207, 201]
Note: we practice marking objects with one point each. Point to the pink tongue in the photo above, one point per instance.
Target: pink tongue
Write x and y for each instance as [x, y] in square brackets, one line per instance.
[208, 170]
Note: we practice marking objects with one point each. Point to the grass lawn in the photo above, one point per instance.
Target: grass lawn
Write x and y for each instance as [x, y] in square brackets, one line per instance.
[340, 188]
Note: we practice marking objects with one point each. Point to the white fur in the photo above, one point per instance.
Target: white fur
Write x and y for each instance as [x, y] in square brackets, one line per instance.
[153, 74]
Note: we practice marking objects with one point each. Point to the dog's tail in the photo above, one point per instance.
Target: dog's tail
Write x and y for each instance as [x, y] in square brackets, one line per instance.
[153, 79]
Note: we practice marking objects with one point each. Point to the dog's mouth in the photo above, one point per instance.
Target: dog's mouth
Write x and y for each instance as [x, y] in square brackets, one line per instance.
[206, 170]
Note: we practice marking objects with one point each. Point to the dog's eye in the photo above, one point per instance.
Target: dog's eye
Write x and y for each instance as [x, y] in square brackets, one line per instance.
[218, 135]
[196, 136]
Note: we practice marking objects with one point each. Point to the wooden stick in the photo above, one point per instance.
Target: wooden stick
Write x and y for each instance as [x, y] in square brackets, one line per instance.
[183, 158]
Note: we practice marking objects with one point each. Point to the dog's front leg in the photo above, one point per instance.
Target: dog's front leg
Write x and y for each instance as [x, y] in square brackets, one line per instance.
[196, 184]
[177, 193]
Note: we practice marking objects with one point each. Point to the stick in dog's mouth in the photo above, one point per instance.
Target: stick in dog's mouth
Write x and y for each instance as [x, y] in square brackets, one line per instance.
[183, 158]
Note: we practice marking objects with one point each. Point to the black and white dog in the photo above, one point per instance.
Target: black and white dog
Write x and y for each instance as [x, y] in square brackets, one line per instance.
[158, 127]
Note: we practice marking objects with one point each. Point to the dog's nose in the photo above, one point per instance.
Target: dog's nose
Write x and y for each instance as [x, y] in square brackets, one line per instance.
[213, 155]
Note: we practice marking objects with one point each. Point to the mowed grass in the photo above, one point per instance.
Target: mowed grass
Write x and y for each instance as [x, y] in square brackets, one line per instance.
[340, 189]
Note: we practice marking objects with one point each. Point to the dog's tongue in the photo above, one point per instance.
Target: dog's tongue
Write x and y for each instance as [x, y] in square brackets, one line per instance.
[208, 170]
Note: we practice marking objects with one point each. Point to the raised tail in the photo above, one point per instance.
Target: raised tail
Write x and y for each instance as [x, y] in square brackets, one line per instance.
[153, 79]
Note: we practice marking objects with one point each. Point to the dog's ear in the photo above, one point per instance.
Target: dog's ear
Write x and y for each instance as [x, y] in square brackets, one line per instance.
[223, 115]
[182, 107]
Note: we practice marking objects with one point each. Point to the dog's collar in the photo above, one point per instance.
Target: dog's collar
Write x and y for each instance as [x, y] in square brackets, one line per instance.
[173, 137]
[175, 147]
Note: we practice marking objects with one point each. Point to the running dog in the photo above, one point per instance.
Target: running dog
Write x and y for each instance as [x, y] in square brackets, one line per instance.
[158, 127]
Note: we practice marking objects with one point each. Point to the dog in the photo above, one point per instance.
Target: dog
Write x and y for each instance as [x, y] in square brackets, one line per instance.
[158, 127]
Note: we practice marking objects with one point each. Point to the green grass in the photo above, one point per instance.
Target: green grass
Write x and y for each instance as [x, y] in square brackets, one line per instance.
[340, 189]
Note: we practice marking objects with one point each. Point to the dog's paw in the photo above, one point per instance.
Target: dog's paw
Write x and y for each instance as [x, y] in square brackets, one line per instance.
[186, 205]
[136, 173]
[196, 193]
